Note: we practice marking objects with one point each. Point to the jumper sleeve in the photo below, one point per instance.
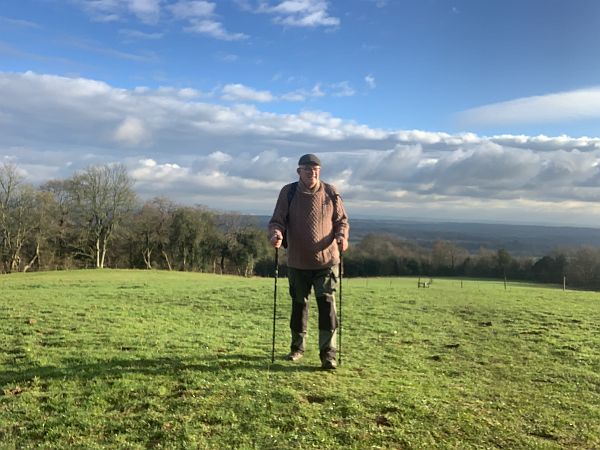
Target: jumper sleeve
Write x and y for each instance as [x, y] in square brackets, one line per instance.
[341, 225]
[278, 224]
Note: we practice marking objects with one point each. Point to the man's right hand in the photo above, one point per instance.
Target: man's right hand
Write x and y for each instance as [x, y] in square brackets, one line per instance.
[342, 243]
[276, 240]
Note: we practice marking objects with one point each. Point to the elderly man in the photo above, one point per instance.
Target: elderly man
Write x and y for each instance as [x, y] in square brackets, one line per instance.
[310, 214]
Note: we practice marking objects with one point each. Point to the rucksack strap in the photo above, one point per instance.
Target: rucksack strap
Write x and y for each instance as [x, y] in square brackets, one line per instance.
[331, 192]
[291, 193]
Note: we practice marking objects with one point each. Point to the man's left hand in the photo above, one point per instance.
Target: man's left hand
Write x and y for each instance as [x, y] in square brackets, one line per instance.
[342, 244]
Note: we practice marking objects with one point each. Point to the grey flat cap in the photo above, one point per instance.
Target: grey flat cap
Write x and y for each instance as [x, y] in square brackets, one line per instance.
[309, 160]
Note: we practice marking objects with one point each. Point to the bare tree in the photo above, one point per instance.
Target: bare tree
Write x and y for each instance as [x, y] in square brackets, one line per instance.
[10, 182]
[151, 224]
[102, 196]
[42, 221]
[228, 247]
[250, 245]
[190, 228]
[21, 218]
[60, 228]
[584, 267]
[446, 254]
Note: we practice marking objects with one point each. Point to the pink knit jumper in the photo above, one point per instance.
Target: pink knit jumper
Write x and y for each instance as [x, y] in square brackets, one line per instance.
[314, 223]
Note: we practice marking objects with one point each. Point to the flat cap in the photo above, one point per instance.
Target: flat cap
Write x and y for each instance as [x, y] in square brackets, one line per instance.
[309, 160]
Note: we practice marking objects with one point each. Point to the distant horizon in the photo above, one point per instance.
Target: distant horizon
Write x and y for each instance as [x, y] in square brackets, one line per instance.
[424, 220]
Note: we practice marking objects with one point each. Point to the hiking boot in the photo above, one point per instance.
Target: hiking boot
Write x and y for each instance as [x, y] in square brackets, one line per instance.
[294, 356]
[329, 364]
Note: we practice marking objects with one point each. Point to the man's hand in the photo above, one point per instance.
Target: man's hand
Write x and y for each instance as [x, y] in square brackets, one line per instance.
[342, 243]
[276, 239]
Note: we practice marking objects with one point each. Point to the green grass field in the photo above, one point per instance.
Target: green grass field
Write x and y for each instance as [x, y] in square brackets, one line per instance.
[133, 359]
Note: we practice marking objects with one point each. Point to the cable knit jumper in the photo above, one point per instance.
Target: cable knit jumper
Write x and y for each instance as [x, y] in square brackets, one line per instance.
[314, 222]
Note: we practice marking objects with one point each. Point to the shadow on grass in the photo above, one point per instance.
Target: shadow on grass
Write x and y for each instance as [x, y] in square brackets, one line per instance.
[74, 369]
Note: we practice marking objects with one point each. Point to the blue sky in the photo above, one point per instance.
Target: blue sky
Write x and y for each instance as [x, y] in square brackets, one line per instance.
[451, 110]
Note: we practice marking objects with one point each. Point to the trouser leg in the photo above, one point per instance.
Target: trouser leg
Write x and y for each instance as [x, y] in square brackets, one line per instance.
[327, 344]
[300, 285]
[325, 283]
[298, 343]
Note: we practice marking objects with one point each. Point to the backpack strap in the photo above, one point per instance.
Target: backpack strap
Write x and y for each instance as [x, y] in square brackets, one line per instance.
[290, 196]
[331, 192]
[291, 193]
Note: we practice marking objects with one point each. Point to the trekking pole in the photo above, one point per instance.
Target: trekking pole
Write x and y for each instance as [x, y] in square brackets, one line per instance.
[275, 302]
[341, 270]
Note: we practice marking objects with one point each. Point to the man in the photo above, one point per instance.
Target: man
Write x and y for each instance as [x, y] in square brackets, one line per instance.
[310, 213]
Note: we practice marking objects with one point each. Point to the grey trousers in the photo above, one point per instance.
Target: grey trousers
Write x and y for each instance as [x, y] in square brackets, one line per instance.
[324, 282]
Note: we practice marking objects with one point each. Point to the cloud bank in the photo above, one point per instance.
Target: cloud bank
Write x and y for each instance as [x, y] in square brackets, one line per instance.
[550, 108]
[301, 13]
[238, 157]
[201, 17]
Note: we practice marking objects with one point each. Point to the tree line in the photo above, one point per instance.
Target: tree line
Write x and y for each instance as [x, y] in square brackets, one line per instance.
[94, 219]
[385, 255]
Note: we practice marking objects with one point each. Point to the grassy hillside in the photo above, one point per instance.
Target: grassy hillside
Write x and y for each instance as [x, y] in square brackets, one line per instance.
[132, 359]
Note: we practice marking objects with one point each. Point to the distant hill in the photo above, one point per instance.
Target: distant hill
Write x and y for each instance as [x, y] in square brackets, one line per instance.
[519, 240]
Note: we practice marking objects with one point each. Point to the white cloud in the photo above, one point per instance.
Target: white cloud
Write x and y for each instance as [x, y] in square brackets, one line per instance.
[192, 9]
[227, 57]
[188, 93]
[342, 89]
[301, 13]
[140, 35]
[18, 22]
[295, 96]
[148, 170]
[547, 143]
[198, 15]
[214, 29]
[201, 20]
[316, 91]
[557, 107]
[301, 95]
[103, 10]
[148, 57]
[370, 80]
[239, 92]
[237, 157]
[148, 11]
[168, 91]
[131, 131]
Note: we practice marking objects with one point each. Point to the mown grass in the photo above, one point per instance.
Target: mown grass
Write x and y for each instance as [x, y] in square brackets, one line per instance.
[133, 359]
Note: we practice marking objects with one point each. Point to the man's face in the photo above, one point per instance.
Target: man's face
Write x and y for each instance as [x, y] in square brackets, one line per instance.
[309, 175]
